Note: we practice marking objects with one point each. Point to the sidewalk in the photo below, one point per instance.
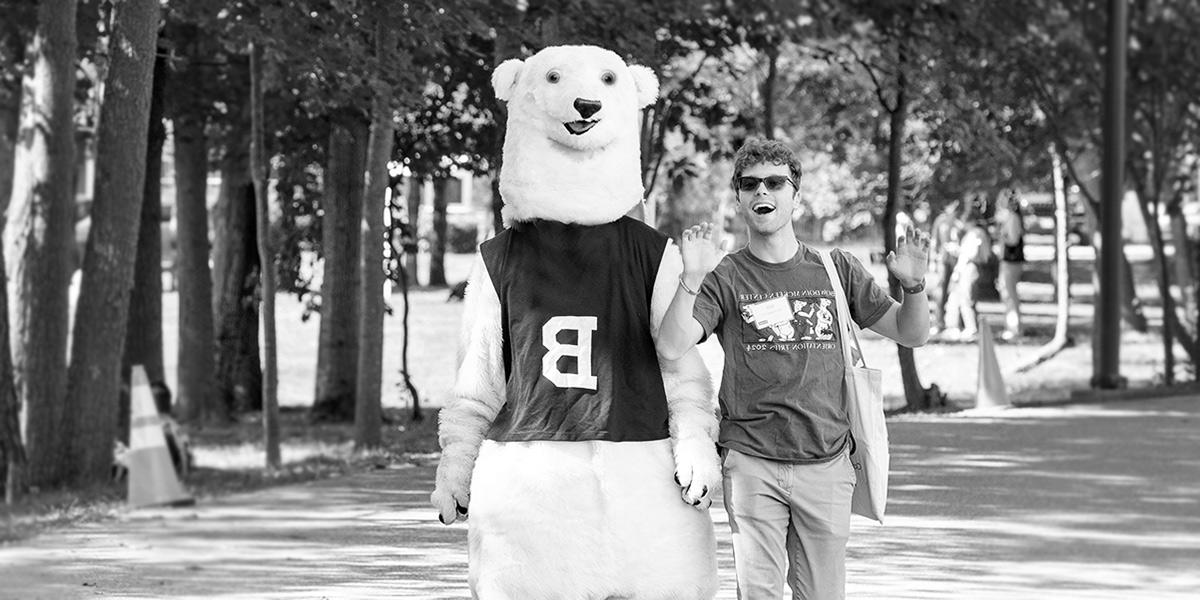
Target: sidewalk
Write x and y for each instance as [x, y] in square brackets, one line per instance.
[1083, 501]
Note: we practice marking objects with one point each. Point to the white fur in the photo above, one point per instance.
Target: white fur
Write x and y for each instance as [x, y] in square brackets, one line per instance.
[504, 78]
[548, 173]
[477, 397]
[592, 519]
[647, 84]
[554, 520]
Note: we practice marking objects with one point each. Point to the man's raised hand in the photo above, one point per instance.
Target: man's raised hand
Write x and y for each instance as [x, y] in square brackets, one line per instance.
[701, 250]
[909, 262]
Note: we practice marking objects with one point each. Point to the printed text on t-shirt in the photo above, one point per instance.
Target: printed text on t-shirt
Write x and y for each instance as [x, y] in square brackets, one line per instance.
[787, 322]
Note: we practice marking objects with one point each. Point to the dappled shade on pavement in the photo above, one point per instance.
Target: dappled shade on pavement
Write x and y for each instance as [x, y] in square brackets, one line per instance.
[1085, 501]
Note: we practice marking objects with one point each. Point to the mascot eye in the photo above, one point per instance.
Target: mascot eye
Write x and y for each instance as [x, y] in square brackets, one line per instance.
[553, 76]
[609, 78]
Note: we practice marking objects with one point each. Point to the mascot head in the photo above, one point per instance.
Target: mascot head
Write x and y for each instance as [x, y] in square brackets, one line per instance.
[572, 149]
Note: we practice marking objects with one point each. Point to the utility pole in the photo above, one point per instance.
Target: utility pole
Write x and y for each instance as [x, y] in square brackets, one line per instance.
[1106, 355]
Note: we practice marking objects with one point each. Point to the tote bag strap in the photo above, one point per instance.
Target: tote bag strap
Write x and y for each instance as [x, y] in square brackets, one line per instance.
[843, 311]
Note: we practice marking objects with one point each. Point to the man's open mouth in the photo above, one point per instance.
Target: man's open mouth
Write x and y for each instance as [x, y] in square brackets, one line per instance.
[763, 208]
[579, 127]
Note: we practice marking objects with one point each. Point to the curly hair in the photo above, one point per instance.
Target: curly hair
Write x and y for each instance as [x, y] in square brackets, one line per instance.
[758, 150]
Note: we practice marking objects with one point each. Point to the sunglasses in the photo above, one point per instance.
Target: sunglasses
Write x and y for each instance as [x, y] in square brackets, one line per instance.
[774, 183]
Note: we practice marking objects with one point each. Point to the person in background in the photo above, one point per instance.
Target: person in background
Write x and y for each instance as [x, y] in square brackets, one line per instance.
[975, 251]
[1010, 230]
[944, 237]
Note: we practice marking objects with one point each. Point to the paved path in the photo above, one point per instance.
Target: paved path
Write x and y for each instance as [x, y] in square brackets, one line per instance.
[1084, 501]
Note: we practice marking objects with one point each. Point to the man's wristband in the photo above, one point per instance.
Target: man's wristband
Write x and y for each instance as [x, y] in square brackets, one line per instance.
[683, 284]
[916, 289]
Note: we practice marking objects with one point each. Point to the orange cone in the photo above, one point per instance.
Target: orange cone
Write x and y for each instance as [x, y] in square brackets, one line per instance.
[152, 479]
[990, 392]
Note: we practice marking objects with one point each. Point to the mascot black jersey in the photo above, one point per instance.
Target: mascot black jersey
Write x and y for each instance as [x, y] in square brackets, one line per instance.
[578, 298]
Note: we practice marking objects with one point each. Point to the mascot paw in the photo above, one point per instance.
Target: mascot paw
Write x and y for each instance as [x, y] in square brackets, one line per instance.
[452, 494]
[451, 506]
[695, 491]
[698, 473]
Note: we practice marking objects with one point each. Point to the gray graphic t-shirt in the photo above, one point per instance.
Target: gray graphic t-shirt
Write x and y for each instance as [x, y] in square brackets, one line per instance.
[781, 390]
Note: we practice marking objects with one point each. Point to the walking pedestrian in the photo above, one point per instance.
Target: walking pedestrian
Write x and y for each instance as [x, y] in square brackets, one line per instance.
[1010, 229]
[784, 434]
[944, 238]
[974, 254]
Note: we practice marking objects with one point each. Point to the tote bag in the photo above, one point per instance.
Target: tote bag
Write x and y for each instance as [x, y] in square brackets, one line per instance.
[864, 406]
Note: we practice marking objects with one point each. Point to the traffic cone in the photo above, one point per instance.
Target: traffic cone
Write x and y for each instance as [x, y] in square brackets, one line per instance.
[152, 479]
[990, 392]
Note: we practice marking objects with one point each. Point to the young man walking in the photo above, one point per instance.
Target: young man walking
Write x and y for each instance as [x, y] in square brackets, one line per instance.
[784, 434]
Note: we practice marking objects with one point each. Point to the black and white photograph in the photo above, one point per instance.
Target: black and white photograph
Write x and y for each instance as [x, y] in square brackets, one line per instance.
[600, 299]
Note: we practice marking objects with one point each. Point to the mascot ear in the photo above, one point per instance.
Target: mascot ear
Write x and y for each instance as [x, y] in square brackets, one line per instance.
[646, 84]
[504, 77]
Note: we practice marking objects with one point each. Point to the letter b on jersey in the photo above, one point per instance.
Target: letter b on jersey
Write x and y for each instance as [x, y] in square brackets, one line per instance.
[581, 350]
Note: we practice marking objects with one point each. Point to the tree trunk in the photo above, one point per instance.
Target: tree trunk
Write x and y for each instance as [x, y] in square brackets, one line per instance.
[368, 415]
[1062, 273]
[10, 120]
[1131, 305]
[12, 451]
[1173, 327]
[1062, 256]
[507, 45]
[197, 399]
[915, 394]
[235, 279]
[497, 200]
[144, 335]
[102, 311]
[258, 171]
[414, 218]
[1164, 289]
[653, 143]
[1185, 266]
[39, 235]
[337, 354]
[437, 243]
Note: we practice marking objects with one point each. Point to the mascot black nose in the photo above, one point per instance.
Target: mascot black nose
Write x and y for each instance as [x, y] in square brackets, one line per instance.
[587, 108]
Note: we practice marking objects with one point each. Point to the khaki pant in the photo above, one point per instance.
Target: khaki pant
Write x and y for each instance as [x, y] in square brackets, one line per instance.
[791, 519]
[1010, 274]
[942, 272]
[960, 308]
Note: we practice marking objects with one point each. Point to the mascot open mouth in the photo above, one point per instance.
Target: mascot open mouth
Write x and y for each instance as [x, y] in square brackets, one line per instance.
[580, 127]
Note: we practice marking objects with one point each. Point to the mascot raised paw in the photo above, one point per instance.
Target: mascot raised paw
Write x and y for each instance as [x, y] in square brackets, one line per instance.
[584, 462]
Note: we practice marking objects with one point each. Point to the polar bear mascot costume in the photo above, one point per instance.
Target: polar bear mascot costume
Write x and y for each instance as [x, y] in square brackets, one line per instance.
[584, 461]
